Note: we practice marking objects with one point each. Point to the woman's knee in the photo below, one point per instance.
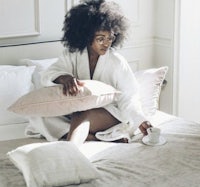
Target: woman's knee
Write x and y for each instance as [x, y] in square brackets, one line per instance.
[78, 117]
[83, 115]
[99, 119]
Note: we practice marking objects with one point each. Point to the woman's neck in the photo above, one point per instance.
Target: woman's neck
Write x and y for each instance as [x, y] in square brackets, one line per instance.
[92, 55]
[93, 58]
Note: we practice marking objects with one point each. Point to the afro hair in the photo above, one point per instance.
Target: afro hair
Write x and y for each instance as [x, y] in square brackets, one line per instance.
[84, 20]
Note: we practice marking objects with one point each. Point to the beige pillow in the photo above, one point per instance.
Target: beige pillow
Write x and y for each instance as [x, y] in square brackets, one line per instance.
[50, 101]
[52, 164]
[150, 84]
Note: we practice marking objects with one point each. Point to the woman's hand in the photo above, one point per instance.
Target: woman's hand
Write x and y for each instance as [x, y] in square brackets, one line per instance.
[71, 85]
[144, 126]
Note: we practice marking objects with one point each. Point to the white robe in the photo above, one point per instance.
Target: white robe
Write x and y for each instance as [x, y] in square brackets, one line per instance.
[112, 69]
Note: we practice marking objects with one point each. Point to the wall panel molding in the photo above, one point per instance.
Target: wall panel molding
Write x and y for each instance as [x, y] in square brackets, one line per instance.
[70, 3]
[140, 43]
[26, 18]
[164, 42]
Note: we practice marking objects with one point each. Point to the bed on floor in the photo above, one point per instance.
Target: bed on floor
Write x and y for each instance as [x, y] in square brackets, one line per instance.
[39, 154]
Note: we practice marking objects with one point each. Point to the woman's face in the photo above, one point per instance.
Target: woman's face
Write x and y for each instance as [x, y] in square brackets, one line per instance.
[102, 42]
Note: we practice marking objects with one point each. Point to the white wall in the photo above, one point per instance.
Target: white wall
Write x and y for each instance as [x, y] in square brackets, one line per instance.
[139, 48]
[188, 72]
[177, 44]
[24, 21]
[13, 55]
[164, 47]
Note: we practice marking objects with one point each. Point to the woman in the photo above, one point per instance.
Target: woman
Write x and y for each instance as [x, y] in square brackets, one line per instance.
[91, 31]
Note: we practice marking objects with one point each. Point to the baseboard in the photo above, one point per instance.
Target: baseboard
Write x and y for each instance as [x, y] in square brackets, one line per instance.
[12, 131]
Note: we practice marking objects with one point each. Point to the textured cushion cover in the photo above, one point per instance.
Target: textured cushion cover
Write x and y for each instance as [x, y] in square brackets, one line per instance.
[52, 164]
[150, 83]
[50, 101]
[15, 81]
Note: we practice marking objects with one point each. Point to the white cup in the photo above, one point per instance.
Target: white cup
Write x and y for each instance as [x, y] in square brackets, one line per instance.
[153, 134]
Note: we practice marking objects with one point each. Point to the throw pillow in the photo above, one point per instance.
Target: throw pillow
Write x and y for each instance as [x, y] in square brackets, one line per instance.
[150, 83]
[50, 101]
[52, 164]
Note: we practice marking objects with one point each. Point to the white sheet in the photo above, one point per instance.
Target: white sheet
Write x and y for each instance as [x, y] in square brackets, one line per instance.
[175, 164]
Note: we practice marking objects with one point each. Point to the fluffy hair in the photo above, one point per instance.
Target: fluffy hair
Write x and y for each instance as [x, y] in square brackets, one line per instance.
[83, 20]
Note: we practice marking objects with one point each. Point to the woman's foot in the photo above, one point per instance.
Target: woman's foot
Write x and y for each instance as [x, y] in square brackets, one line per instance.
[123, 140]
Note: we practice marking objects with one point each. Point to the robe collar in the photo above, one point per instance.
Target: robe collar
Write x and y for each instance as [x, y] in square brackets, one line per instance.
[83, 70]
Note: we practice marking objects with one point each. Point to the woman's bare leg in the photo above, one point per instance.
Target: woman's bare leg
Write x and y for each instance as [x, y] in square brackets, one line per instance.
[85, 124]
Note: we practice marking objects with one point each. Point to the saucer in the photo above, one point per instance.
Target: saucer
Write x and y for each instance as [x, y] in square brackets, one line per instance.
[162, 141]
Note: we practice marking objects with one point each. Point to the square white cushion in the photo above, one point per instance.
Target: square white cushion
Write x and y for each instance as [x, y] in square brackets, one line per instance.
[15, 81]
[41, 66]
[150, 83]
[50, 101]
[52, 164]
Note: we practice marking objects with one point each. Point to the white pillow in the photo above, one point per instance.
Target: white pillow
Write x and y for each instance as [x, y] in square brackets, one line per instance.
[50, 101]
[15, 81]
[52, 164]
[150, 83]
[41, 66]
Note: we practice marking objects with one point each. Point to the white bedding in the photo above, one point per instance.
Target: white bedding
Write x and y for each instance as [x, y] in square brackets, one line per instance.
[175, 164]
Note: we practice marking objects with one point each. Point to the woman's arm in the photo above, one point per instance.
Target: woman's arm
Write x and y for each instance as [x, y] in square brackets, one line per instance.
[71, 85]
[129, 102]
[64, 66]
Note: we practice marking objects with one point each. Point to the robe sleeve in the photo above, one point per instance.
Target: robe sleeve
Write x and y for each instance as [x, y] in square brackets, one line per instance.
[64, 66]
[129, 101]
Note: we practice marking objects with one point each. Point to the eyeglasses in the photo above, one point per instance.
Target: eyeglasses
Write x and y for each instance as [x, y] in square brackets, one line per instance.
[102, 39]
